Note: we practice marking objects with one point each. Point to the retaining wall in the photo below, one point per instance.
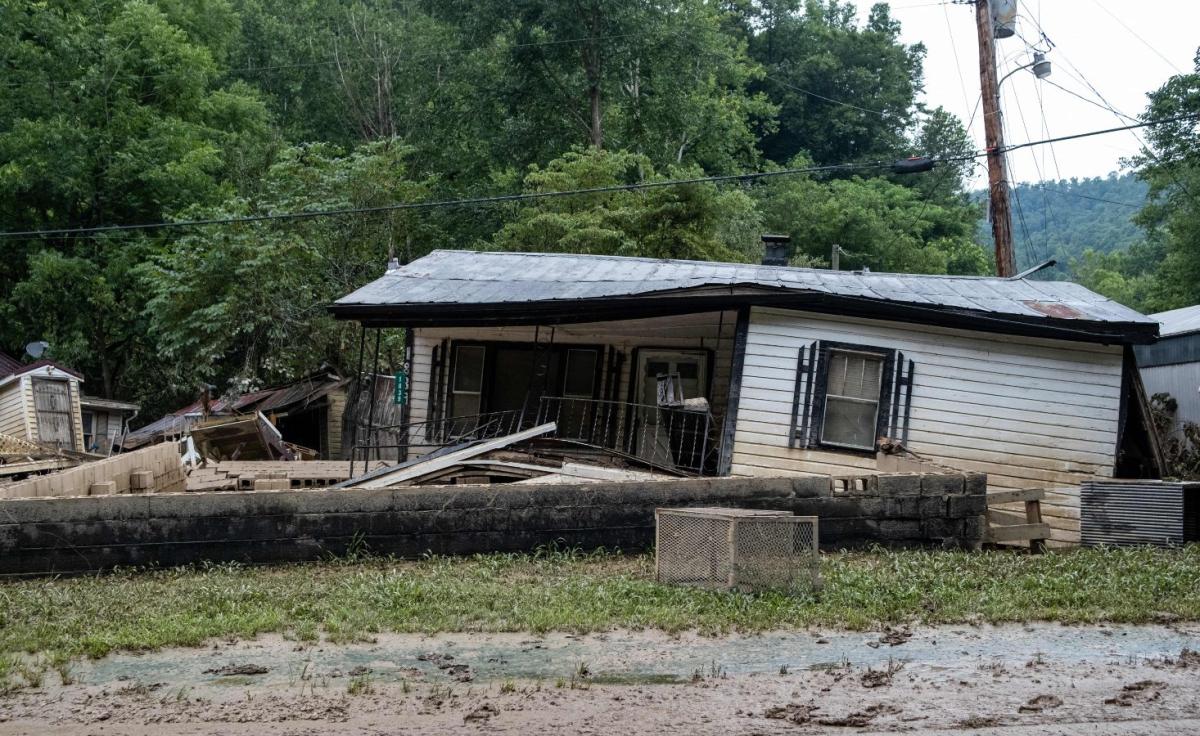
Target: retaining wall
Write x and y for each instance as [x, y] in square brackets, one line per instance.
[72, 535]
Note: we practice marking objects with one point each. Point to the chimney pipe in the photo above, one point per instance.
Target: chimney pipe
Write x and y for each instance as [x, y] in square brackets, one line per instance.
[777, 249]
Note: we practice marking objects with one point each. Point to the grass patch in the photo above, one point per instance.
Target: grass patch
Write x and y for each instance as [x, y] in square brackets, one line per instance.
[568, 591]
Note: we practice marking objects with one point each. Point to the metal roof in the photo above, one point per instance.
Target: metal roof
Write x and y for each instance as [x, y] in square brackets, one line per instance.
[1178, 321]
[452, 279]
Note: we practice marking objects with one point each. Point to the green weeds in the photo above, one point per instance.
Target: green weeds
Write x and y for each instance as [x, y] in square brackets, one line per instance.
[556, 590]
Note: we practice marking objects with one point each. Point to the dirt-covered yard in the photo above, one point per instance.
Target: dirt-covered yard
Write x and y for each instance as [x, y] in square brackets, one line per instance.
[589, 643]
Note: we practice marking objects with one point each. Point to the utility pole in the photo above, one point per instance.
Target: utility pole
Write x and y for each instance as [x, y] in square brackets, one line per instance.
[993, 127]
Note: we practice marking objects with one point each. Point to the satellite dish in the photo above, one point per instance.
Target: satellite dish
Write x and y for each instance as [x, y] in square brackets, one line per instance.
[37, 348]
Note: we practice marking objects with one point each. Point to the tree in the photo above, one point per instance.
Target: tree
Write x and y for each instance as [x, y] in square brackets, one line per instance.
[1170, 164]
[114, 116]
[245, 304]
[662, 80]
[693, 221]
[846, 92]
[879, 225]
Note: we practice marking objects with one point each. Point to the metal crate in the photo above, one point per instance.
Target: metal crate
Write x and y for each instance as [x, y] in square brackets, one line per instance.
[736, 549]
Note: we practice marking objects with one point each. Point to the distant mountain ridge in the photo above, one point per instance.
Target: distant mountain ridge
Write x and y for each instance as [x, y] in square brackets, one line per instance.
[1061, 219]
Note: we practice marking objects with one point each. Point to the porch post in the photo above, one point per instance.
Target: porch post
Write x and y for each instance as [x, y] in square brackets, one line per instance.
[362, 344]
[371, 412]
[725, 461]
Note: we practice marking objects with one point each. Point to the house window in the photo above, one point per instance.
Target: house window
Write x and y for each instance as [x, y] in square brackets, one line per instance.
[852, 396]
[467, 387]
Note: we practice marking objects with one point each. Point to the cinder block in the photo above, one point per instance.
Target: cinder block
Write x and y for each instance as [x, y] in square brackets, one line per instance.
[141, 480]
[811, 486]
[975, 484]
[901, 507]
[271, 484]
[964, 506]
[898, 484]
[933, 507]
[103, 488]
[942, 484]
[900, 530]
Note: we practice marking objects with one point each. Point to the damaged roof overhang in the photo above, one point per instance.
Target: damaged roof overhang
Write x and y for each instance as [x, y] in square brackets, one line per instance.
[706, 299]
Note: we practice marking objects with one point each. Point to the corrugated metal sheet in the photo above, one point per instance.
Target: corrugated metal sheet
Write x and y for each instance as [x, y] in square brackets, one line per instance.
[1179, 321]
[1169, 351]
[471, 277]
[1133, 512]
[1182, 381]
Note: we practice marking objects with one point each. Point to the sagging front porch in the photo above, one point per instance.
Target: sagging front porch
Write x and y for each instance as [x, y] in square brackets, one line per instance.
[653, 389]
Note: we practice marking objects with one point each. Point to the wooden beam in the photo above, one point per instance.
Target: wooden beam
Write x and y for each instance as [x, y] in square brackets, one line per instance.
[1018, 496]
[416, 470]
[1020, 532]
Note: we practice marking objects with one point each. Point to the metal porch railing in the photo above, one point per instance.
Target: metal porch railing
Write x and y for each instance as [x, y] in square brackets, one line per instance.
[685, 440]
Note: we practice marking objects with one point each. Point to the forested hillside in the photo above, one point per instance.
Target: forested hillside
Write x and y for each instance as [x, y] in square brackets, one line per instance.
[143, 112]
[1062, 219]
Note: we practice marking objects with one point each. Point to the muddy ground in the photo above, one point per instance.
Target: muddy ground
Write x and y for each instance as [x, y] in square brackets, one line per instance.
[1040, 679]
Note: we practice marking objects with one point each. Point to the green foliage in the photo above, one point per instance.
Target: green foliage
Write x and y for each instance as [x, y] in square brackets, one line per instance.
[879, 225]
[114, 115]
[1171, 167]
[696, 221]
[1064, 219]
[846, 92]
[575, 592]
[245, 304]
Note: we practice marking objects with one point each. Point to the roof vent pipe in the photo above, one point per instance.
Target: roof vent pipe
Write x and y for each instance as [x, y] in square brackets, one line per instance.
[777, 250]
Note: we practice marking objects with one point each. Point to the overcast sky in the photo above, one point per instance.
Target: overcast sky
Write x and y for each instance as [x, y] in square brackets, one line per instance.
[1124, 48]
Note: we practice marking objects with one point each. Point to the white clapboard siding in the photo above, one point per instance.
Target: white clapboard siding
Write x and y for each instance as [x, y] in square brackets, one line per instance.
[1029, 412]
[708, 331]
[12, 410]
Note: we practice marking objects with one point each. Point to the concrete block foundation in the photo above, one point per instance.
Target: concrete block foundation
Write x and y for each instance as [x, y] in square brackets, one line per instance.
[40, 536]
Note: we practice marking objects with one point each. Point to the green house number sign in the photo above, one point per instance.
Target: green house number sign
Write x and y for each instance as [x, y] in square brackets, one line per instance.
[401, 396]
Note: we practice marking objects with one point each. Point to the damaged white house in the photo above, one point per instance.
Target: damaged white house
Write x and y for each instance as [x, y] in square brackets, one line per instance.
[727, 368]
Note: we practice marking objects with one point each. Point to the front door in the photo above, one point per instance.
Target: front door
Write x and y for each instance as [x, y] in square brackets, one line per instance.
[665, 436]
[52, 406]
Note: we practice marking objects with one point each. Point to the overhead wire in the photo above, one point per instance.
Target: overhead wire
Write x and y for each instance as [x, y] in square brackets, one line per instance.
[484, 201]
[1138, 36]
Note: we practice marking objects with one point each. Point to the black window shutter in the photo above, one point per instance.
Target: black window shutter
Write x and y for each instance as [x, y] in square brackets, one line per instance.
[804, 413]
[901, 399]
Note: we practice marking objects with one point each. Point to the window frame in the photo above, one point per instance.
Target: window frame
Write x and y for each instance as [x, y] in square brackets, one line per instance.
[489, 363]
[825, 349]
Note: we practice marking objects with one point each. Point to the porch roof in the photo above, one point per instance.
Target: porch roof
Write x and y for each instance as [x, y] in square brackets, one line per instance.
[453, 287]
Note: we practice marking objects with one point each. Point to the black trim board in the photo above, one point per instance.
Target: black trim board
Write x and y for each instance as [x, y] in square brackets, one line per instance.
[733, 395]
[624, 308]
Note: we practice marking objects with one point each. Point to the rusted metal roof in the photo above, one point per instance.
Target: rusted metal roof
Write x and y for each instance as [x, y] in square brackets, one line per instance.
[447, 281]
[10, 366]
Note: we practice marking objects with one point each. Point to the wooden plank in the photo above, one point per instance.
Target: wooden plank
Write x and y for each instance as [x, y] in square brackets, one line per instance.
[1019, 532]
[1033, 515]
[403, 473]
[1025, 494]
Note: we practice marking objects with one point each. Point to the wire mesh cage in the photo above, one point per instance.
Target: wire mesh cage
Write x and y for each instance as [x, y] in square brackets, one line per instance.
[740, 549]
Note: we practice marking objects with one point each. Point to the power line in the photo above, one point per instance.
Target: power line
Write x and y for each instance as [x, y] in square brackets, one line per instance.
[1138, 36]
[482, 201]
[782, 83]
[436, 204]
[1089, 134]
[1070, 193]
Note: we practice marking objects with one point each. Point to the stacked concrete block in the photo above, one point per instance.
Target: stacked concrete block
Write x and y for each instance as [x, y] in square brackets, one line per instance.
[61, 535]
[161, 461]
